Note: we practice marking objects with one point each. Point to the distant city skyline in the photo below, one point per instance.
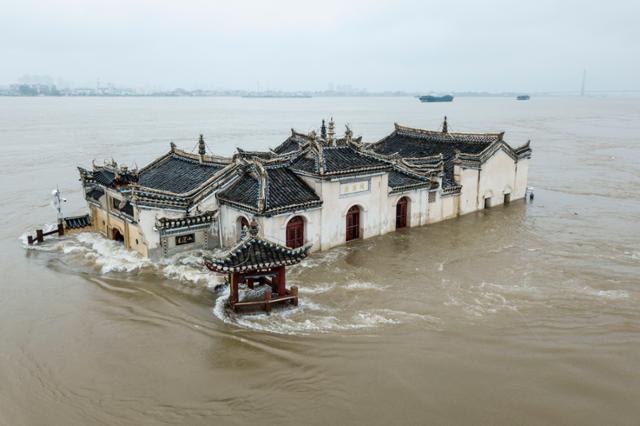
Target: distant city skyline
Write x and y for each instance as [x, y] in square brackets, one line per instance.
[64, 87]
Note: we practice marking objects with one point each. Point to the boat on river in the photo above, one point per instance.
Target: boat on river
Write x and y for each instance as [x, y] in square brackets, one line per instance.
[431, 98]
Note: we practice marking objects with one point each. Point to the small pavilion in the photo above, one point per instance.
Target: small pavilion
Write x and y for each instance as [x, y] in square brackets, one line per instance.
[256, 262]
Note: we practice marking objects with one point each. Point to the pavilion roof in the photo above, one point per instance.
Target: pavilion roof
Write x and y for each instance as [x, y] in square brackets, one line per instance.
[254, 253]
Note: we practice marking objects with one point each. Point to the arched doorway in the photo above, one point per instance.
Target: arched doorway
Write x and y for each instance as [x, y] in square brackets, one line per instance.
[241, 223]
[295, 232]
[116, 235]
[402, 212]
[353, 223]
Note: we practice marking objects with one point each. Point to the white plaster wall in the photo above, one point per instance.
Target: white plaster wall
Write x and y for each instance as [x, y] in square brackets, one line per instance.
[374, 219]
[147, 223]
[469, 199]
[497, 177]
[521, 180]
[228, 217]
[418, 208]
[435, 208]
[449, 204]
[275, 227]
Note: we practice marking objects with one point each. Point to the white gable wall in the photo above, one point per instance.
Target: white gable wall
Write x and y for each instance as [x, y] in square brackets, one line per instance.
[497, 177]
[374, 218]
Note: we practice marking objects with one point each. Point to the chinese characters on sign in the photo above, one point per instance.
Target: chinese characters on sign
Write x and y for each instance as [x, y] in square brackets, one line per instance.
[185, 239]
[354, 187]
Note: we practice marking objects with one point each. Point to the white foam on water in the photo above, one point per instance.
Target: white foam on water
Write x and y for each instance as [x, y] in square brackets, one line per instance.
[317, 289]
[51, 243]
[477, 300]
[605, 294]
[635, 255]
[309, 317]
[323, 258]
[364, 285]
[111, 256]
[188, 267]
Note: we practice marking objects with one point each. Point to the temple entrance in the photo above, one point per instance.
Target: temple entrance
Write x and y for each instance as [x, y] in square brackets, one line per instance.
[116, 235]
[295, 232]
[353, 223]
[487, 203]
[507, 198]
[402, 210]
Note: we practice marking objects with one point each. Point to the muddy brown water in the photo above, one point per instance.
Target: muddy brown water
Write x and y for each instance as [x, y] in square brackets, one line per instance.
[526, 314]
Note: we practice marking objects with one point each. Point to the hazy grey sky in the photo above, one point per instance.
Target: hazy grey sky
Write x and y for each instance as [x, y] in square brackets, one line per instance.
[406, 45]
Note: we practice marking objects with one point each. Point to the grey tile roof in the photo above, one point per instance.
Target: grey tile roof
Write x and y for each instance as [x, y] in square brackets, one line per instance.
[292, 143]
[400, 180]
[412, 146]
[95, 194]
[418, 143]
[104, 177]
[345, 158]
[283, 191]
[337, 160]
[177, 174]
[77, 222]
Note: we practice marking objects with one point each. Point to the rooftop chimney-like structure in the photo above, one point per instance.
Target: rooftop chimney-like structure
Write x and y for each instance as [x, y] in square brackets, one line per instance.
[332, 132]
[323, 131]
[202, 149]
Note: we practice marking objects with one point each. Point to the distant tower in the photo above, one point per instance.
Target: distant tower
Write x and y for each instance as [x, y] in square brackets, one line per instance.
[202, 149]
[332, 131]
[584, 81]
[445, 127]
[323, 131]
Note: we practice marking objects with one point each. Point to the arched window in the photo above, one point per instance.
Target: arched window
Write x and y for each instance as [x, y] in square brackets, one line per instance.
[402, 211]
[295, 232]
[353, 223]
[241, 222]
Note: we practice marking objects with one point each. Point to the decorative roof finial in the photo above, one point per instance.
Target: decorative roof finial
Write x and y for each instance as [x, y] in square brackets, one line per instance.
[348, 134]
[254, 227]
[332, 132]
[202, 149]
[323, 131]
[445, 127]
[173, 147]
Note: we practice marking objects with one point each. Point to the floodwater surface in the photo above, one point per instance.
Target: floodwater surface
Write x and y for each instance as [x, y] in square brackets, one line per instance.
[523, 314]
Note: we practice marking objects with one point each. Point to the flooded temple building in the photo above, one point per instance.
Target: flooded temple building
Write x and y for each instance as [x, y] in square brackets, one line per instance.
[313, 190]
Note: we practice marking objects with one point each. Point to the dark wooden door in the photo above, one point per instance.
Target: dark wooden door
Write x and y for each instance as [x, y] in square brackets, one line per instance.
[295, 232]
[353, 223]
[401, 212]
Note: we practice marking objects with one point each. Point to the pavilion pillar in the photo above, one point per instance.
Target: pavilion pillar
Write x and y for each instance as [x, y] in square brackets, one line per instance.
[234, 288]
[282, 281]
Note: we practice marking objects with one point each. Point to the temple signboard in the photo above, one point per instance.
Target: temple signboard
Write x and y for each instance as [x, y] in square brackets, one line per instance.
[185, 239]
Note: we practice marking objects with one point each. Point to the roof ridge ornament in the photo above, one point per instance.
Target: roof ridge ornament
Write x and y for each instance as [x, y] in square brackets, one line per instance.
[254, 228]
[262, 184]
[348, 133]
[202, 149]
[323, 130]
[445, 126]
